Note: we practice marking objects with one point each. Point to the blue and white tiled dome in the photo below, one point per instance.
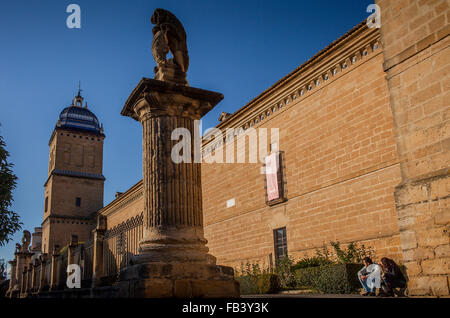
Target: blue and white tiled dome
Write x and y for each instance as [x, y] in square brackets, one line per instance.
[78, 117]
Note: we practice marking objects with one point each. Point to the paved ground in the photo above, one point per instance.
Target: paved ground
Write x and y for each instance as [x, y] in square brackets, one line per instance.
[305, 295]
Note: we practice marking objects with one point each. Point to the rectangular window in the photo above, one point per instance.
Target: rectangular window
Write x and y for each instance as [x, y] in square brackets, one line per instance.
[78, 202]
[274, 178]
[280, 243]
[46, 204]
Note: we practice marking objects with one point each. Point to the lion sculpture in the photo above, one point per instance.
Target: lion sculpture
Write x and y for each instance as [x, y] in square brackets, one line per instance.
[169, 36]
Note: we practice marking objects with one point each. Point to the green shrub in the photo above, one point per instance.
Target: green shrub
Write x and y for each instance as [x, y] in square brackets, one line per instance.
[307, 276]
[285, 273]
[327, 272]
[339, 279]
[254, 280]
[331, 279]
[352, 254]
[311, 262]
[332, 272]
[266, 283]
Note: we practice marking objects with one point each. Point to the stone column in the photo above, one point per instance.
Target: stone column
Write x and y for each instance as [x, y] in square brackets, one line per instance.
[42, 278]
[54, 269]
[23, 286]
[99, 234]
[173, 219]
[22, 259]
[34, 266]
[12, 280]
[29, 277]
[20, 263]
[173, 225]
[71, 249]
[173, 250]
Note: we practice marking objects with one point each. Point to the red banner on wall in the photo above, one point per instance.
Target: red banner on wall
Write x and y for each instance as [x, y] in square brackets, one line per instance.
[273, 190]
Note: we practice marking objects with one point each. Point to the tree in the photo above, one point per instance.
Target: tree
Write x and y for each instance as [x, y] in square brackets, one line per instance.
[9, 220]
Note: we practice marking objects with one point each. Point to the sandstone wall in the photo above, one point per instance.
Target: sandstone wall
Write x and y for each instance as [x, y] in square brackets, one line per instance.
[340, 166]
[417, 64]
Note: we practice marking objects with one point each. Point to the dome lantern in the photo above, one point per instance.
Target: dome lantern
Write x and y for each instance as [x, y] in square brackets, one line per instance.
[77, 117]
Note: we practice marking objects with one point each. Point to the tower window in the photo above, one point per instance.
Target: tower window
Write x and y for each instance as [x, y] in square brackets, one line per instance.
[46, 204]
[78, 202]
[280, 243]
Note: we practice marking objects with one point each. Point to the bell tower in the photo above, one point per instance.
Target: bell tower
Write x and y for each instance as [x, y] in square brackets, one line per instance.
[74, 187]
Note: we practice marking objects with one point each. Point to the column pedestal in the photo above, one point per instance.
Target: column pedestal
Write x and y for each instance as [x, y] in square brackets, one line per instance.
[97, 264]
[177, 279]
[42, 279]
[12, 280]
[173, 259]
[22, 259]
[53, 284]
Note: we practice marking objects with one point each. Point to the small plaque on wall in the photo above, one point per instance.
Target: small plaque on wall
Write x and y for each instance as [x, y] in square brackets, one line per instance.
[274, 178]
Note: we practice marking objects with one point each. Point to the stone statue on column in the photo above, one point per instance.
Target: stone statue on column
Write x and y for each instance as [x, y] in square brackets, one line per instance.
[26, 241]
[169, 36]
[173, 259]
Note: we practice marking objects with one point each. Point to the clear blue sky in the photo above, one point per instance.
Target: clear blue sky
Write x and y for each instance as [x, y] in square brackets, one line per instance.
[236, 47]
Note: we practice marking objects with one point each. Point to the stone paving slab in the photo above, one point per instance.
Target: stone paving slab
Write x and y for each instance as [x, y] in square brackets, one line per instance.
[304, 295]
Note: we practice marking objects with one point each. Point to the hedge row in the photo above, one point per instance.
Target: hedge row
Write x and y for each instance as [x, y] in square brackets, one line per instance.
[330, 279]
[259, 284]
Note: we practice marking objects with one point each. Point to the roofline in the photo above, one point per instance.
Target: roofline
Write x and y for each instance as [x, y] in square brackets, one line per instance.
[62, 216]
[74, 130]
[333, 45]
[74, 174]
[121, 198]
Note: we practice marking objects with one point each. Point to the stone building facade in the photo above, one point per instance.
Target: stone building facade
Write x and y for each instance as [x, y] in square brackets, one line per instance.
[339, 161]
[417, 66]
[363, 146]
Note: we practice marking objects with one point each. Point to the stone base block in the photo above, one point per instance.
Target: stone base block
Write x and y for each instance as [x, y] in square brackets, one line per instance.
[12, 293]
[170, 73]
[181, 280]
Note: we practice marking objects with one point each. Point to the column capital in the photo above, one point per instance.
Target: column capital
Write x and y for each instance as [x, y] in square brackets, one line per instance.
[101, 223]
[153, 98]
[55, 251]
[43, 258]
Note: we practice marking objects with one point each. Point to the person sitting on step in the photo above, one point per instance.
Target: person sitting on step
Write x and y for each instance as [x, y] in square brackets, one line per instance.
[392, 277]
[370, 276]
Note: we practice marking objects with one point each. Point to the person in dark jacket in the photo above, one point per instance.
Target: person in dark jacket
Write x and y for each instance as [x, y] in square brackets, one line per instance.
[392, 277]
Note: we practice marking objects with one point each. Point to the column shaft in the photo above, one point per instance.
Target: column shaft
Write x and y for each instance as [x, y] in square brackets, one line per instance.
[173, 222]
[174, 188]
